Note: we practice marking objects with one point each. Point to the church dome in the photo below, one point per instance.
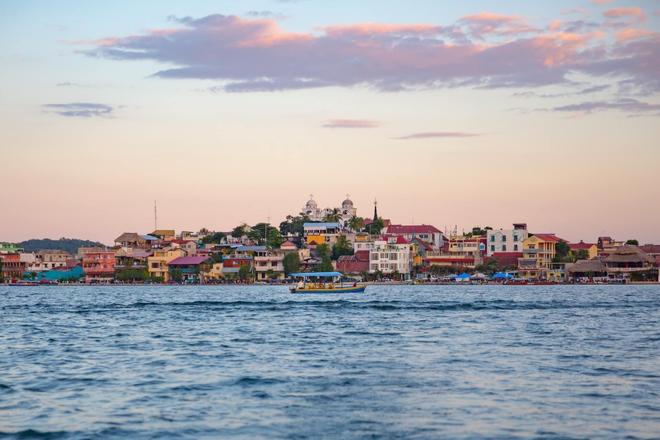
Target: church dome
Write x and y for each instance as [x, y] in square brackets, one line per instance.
[311, 205]
[347, 204]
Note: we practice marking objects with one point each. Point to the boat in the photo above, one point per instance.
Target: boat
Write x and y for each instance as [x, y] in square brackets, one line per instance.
[324, 282]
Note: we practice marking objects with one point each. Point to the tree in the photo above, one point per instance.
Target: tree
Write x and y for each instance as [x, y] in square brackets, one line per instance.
[272, 234]
[176, 275]
[2, 277]
[356, 223]
[291, 263]
[245, 272]
[216, 238]
[632, 242]
[489, 267]
[334, 216]
[240, 230]
[323, 253]
[376, 226]
[561, 251]
[294, 225]
[582, 254]
[341, 247]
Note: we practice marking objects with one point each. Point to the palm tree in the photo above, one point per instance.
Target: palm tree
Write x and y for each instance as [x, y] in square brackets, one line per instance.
[334, 216]
[356, 223]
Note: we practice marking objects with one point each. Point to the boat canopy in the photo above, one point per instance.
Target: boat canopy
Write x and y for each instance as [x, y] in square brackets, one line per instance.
[315, 274]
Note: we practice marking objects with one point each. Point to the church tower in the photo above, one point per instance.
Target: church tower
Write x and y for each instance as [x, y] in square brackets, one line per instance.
[375, 210]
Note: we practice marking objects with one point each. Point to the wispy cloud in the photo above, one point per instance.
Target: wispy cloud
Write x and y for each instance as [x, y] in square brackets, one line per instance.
[627, 105]
[350, 123]
[79, 109]
[438, 134]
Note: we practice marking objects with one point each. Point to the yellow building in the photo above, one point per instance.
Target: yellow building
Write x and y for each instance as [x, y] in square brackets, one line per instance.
[158, 263]
[538, 252]
[590, 248]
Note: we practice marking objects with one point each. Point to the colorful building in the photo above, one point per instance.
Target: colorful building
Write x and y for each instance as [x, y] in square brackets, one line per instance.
[321, 233]
[506, 240]
[391, 254]
[187, 269]
[99, 266]
[539, 250]
[13, 268]
[157, 264]
[427, 233]
[591, 249]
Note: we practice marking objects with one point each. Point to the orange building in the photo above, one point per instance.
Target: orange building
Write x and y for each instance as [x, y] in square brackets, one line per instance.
[98, 265]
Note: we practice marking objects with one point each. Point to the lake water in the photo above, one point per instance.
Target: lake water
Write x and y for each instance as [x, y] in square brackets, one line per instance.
[396, 362]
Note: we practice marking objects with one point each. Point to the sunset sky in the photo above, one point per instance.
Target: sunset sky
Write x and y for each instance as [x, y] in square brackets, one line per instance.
[449, 113]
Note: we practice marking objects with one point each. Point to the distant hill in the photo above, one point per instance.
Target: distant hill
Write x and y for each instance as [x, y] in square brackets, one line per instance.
[70, 245]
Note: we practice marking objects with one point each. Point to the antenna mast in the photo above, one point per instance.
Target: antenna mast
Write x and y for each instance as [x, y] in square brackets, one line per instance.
[155, 216]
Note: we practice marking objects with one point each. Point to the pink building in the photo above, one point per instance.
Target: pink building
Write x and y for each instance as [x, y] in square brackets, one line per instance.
[98, 265]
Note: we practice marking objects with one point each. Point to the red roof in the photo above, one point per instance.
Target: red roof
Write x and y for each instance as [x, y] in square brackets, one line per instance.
[580, 245]
[548, 237]
[188, 261]
[399, 238]
[412, 229]
[651, 248]
[288, 244]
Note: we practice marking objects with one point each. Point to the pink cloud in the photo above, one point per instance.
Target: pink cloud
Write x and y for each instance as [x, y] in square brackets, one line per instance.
[487, 23]
[350, 123]
[482, 50]
[438, 134]
[633, 12]
[629, 34]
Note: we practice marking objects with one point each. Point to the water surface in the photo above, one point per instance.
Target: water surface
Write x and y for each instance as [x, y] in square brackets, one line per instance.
[396, 362]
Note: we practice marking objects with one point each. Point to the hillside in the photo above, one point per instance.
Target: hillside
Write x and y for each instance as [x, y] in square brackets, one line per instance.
[70, 245]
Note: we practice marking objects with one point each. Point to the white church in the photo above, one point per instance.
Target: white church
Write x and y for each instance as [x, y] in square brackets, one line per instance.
[346, 211]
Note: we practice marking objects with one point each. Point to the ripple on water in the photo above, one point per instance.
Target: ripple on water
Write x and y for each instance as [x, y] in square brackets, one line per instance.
[398, 362]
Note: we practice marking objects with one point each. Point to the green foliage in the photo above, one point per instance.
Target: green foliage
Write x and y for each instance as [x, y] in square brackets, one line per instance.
[375, 227]
[245, 272]
[632, 242]
[240, 230]
[561, 252]
[356, 223]
[216, 238]
[294, 225]
[489, 267]
[273, 236]
[132, 274]
[291, 263]
[582, 254]
[334, 216]
[69, 245]
[478, 231]
[176, 275]
[341, 247]
[324, 254]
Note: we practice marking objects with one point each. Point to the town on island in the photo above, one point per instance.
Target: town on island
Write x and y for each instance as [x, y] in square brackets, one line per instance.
[332, 240]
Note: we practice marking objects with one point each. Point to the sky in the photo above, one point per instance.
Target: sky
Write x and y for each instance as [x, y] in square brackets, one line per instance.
[448, 113]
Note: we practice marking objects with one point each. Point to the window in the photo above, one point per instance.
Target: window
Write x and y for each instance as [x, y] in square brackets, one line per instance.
[374, 255]
[504, 238]
[393, 256]
[515, 247]
[515, 238]
[503, 248]
[492, 248]
[492, 238]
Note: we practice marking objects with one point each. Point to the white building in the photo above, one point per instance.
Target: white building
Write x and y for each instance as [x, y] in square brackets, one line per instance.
[506, 240]
[389, 255]
[346, 211]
